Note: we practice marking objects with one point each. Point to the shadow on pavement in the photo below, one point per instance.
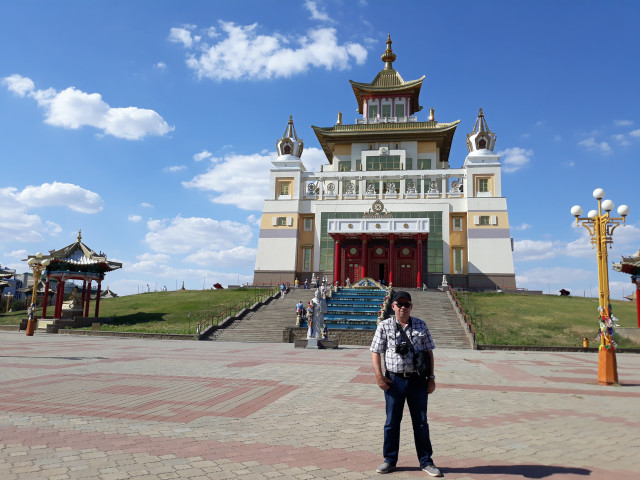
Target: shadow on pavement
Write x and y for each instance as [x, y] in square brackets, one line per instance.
[526, 471]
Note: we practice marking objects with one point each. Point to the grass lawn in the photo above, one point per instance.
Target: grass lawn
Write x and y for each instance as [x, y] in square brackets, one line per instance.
[544, 320]
[177, 312]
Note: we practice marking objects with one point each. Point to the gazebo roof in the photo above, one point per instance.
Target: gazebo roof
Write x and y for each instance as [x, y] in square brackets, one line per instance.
[630, 265]
[79, 258]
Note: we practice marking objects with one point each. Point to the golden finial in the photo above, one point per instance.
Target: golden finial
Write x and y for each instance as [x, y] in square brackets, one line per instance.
[432, 115]
[339, 122]
[80, 235]
[388, 57]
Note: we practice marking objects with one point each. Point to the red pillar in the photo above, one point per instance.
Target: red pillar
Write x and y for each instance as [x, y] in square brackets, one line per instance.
[419, 259]
[45, 300]
[98, 298]
[638, 299]
[363, 257]
[392, 258]
[59, 298]
[88, 298]
[336, 260]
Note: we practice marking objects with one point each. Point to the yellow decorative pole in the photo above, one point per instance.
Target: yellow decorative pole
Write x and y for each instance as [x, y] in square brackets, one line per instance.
[601, 227]
[38, 265]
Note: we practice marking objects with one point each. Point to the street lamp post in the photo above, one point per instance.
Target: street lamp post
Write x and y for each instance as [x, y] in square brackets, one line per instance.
[8, 298]
[601, 226]
[38, 264]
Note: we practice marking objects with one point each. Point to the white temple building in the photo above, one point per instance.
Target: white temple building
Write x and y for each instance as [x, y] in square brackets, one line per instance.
[388, 205]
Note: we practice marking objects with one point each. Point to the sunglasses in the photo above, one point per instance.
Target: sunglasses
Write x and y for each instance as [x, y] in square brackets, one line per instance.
[403, 305]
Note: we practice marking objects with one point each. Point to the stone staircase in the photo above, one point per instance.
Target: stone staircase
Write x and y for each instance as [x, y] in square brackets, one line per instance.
[266, 324]
[436, 310]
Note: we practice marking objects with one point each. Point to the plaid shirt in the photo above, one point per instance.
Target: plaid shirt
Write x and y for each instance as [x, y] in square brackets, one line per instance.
[387, 336]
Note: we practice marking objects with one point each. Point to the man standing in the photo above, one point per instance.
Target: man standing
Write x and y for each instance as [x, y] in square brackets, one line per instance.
[401, 382]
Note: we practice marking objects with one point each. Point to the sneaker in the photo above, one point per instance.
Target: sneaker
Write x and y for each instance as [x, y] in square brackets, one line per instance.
[432, 470]
[385, 467]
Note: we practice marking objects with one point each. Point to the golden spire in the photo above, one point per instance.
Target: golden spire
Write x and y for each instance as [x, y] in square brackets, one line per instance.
[80, 235]
[388, 57]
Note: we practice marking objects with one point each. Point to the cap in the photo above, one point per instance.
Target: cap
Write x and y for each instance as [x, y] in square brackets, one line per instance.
[400, 294]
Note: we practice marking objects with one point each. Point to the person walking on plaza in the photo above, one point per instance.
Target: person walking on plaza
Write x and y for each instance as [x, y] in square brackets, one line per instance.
[401, 382]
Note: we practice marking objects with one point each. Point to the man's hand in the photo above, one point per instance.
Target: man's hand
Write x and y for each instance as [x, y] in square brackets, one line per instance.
[431, 385]
[383, 382]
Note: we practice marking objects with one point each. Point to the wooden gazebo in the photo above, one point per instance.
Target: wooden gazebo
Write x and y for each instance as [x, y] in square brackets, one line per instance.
[76, 262]
[631, 265]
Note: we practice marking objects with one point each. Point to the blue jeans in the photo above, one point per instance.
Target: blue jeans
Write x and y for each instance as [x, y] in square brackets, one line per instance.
[414, 390]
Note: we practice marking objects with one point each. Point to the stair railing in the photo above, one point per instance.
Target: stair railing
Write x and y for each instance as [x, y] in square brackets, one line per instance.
[471, 332]
[215, 318]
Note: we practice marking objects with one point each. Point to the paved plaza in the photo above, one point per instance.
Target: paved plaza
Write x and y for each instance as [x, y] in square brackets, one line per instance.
[106, 408]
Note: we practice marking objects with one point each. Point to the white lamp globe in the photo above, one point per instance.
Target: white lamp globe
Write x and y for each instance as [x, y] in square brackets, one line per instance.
[31, 261]
[576, 210]
[45, 262]
[607, 205]
[39, 255]
[598, 194]
[592, 214]
[623, 210]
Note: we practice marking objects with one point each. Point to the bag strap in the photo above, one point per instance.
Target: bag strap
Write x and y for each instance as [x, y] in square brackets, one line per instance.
[404, 335]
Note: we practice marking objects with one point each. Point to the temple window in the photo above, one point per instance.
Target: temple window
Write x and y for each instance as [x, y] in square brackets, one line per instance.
[344, 166]
[383, 162]
[373, 111]
[458, 265]
[308, 224]
[424, 164]
[306, 259]
[386, 110]
[399, 110]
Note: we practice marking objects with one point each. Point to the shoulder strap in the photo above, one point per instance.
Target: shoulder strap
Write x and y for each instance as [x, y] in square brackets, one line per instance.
[404, 336]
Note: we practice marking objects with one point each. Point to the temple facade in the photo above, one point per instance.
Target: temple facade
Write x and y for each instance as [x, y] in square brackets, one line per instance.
[388, 205]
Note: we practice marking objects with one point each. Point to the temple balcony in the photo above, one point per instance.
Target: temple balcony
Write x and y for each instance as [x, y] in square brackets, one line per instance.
[364, 121]
[388, 184]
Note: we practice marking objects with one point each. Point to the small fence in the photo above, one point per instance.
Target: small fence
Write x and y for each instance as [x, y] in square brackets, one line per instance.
[463, 315]
[224, 311]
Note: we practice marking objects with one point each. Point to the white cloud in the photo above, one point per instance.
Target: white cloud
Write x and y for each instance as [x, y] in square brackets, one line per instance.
[58, 194]
[203, 155]
[522, 226]
[134, 218]
[239, 180]
[243, 54]
[72, 108]
[188, 235]
[622, 123]
[174, 168]
[243, 180]
[620, 138]
[235, 256]
[592, 145]
[635, 133]
[515, 158]
[161, 66]
[146, 205]
[315, 12]
[181, 35]
[254, 220]
[19, 85]
[535, 250]
[53, 228]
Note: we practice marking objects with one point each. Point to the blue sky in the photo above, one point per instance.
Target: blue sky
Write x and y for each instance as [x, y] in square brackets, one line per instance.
[151, 124]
